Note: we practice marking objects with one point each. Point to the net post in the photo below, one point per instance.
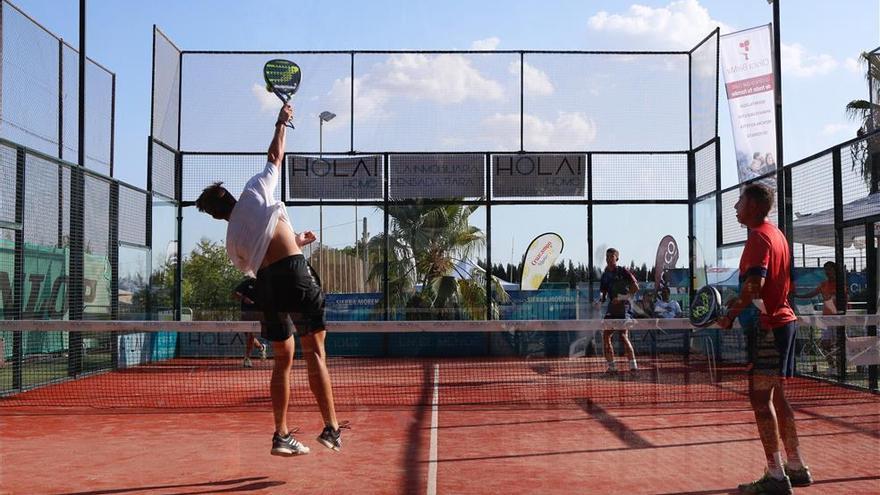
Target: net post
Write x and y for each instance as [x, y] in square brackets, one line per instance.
[590, 260]
[178, 268]
[385, 221]
[113, 255]
[788, 214]
[178, 198]
[18, 267]
[490, 301]
[692, 201]
[840, 332]
[871, 255]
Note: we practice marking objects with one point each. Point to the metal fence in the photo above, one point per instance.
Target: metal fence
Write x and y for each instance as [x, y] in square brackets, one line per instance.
[489, 130]
[518, 130]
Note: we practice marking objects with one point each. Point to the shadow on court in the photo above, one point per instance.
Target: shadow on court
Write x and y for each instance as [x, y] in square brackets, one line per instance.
[251, 484]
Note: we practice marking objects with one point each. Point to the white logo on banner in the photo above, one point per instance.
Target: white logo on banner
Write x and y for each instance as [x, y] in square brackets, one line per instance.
[334, 178]
[538, 175]
[540, 256]
[747, 65]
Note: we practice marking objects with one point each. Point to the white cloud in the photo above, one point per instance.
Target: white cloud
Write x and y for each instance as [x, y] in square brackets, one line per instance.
[268, 101]
[442, 79]
[797, 62]
[852, 64]
[681, 24]
[446, 78]
[839, 129]
[569, 131]
[371, 100]
[486, 44]
[535, 81]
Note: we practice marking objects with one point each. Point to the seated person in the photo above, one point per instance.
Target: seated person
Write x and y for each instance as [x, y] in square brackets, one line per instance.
[666, 308]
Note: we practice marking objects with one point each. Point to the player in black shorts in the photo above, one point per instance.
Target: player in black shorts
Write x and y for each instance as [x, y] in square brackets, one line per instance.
[260, 240]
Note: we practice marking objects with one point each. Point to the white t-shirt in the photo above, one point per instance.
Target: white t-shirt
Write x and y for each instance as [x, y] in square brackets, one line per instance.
[253, 221]
[664, 309]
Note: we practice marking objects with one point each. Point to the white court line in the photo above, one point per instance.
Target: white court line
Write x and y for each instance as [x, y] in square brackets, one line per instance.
[432, 450]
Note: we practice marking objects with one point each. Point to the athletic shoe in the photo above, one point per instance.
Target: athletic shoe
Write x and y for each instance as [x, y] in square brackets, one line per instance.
[332, 439]
[767, 485]
[287, 446]
[633, 366]
[263, 352]
[799, 477]
[247, 363]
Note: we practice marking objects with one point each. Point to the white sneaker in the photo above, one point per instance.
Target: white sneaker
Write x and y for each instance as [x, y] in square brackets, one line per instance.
[612, 369]
[263, 352]
[633, 366]
[287, 446]
[247, 363]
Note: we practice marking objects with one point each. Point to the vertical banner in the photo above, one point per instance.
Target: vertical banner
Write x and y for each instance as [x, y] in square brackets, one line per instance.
[539, 257]
[747, 65]
[667, 257]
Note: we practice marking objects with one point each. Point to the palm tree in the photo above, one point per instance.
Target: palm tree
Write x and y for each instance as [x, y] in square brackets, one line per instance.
[866, 113]
[429, 275]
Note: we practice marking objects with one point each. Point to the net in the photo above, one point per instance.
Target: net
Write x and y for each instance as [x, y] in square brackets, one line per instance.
[160, 364]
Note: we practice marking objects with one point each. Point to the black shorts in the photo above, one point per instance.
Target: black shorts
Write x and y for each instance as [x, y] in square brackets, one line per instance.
[251, 315]
[772, 352]
[289, 291]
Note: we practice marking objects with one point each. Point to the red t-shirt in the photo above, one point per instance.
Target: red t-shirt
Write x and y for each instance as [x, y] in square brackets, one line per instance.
[766, 254]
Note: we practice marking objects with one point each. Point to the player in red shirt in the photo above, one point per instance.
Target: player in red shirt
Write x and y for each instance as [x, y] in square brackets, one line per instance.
[765, 278]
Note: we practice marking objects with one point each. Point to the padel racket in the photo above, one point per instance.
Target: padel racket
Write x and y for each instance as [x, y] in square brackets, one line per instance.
[282, 78]
[707, 307]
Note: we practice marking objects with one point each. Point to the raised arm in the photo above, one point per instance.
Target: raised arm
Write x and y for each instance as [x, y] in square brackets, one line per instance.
[276, 149]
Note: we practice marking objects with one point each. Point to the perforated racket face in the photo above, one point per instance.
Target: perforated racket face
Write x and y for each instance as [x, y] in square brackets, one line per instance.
[705, 307]
[282, 77]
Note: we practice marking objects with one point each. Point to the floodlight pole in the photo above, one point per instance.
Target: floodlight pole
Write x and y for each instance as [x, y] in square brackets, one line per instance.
[784, 200]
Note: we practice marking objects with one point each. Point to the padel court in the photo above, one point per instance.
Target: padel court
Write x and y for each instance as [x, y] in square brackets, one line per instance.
[679, 424]
[435, 183]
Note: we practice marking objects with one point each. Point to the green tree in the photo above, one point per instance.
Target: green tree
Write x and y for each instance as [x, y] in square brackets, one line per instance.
[429, 248]
[864, 153]
[208, 280]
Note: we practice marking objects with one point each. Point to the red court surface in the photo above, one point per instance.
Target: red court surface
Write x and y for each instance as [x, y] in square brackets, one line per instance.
[582, 447]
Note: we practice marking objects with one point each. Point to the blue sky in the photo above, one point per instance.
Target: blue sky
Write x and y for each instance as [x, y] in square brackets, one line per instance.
[821, 41]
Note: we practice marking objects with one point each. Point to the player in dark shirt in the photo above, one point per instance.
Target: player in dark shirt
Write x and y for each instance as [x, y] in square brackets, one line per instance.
[617, 287]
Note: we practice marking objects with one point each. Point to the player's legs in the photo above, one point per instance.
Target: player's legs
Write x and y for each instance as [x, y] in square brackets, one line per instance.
[772, 359]
[761, 398]
[273, 290]
[627, 346]
[280, 384]
[319, 378]
[250, 339]
[785, 422]
[607, 347]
